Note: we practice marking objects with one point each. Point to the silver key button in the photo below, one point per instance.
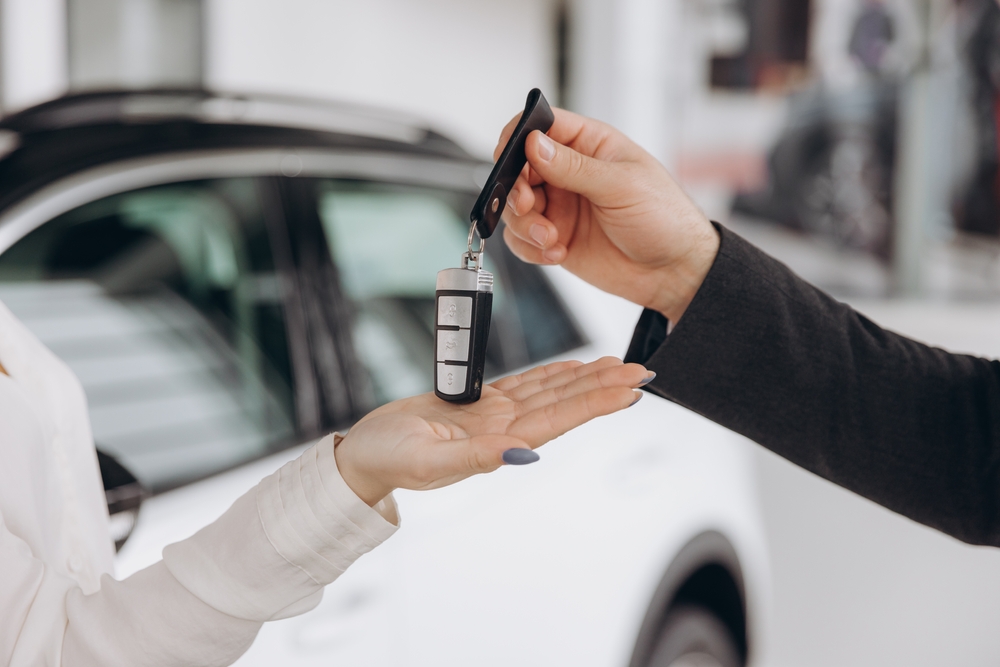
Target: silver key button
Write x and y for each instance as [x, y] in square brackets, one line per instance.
[455, 311]
[453, 345]
[451, 379]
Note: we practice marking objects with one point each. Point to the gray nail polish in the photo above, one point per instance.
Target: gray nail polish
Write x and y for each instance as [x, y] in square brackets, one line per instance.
[638, 396]
[519, 457]
[647, 380]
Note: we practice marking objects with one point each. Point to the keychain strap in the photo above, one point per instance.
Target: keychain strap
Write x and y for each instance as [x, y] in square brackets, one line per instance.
[489, 207]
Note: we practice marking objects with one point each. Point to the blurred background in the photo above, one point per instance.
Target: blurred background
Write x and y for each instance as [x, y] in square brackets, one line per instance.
[867, 128]
[857, 140]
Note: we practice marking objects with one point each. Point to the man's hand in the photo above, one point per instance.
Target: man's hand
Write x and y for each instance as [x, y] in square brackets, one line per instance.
[595, 202]
[425, 443]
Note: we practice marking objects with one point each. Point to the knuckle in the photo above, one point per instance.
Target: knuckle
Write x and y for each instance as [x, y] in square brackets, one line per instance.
[551, 415]
[480, 461]
[423, 473]
[577, 165]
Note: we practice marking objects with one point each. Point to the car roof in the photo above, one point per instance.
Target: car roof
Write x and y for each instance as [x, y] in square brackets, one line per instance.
[64, 136]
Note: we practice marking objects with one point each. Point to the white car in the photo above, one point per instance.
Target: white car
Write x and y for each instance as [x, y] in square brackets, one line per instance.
[233, 277]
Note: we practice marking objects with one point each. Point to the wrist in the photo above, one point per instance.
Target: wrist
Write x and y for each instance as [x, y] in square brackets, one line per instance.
[680, 281]
[365, 486]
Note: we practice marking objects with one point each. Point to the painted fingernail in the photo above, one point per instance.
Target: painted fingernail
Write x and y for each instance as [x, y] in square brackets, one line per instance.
[546, 148]
[519, 457]
[649, 378]
[539, 233]
[512, 200]
[638, 397]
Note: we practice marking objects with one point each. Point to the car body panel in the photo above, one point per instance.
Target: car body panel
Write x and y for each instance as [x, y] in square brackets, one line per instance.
[121, 176]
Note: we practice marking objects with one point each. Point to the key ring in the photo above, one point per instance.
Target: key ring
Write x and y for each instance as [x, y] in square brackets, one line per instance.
[473, 256]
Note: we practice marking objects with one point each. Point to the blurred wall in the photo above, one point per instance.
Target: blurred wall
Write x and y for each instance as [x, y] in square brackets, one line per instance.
[466, 65]
[134, 43]
[32, 52]
[626, 66]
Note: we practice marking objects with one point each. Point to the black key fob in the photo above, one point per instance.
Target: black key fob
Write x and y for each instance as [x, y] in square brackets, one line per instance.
[464, 296]
[464, 305]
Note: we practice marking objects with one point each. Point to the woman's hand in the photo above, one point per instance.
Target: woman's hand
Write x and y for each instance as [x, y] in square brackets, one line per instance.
[593, 201]
[426, 443]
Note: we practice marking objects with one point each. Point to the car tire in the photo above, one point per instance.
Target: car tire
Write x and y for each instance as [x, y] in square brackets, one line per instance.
[692, 636]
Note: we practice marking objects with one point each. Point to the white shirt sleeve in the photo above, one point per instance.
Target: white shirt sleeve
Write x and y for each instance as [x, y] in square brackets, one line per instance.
[267, 557]
[306, 527]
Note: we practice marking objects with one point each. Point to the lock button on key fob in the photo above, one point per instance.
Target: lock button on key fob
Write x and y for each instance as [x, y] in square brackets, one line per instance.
[464, 303]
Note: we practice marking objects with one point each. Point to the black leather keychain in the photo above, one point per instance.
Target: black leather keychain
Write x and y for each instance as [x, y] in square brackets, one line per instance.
[464, 296]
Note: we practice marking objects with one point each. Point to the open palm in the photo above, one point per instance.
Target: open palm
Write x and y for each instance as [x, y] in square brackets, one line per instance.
[424, 443]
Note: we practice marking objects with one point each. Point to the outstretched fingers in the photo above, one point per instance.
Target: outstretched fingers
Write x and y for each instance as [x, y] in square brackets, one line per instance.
[535, 374]
[543, 424]
[620, 375]
[534, 385]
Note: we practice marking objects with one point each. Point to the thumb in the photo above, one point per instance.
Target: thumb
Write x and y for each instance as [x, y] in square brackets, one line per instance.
[568, 169]
[452, 460]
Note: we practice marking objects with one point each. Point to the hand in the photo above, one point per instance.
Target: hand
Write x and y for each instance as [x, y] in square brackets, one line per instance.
[595, 202]
[425, 443]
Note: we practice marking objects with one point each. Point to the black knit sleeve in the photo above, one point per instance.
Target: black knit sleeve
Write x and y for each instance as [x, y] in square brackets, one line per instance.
[764, 353]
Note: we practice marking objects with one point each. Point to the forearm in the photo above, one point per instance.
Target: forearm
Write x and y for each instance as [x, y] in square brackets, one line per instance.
[769, 356]
[282, 542]
[268, 557]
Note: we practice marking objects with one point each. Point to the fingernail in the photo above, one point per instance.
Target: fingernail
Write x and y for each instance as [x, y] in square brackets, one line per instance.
[512, 200]
[638, 397]
[649, 378]
[552, 255]
[539, 233]
[546, 148]
[519, 457]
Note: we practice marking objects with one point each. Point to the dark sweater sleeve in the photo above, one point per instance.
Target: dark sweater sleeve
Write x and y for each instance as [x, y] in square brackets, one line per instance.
[762, 352]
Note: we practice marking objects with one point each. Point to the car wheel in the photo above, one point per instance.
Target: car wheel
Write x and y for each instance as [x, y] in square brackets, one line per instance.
[692, 636]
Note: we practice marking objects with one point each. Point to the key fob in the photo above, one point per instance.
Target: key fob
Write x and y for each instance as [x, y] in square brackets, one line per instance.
[464, 300]
[464, 296]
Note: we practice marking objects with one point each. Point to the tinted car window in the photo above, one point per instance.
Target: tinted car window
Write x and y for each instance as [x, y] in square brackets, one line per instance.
[389, 242]
[165, 303]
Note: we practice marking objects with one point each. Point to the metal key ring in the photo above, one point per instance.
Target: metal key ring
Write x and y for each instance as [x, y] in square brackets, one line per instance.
[482, 241]
[474, 257]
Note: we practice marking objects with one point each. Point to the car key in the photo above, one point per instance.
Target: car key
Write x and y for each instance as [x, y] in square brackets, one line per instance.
[464, 299]
[464, 296]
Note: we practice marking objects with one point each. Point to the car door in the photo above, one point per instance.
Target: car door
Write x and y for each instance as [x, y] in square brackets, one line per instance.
[387, 241]
[178, 310]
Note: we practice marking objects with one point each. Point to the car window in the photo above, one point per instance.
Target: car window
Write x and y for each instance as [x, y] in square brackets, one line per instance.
[388, 243]
[165, 303]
